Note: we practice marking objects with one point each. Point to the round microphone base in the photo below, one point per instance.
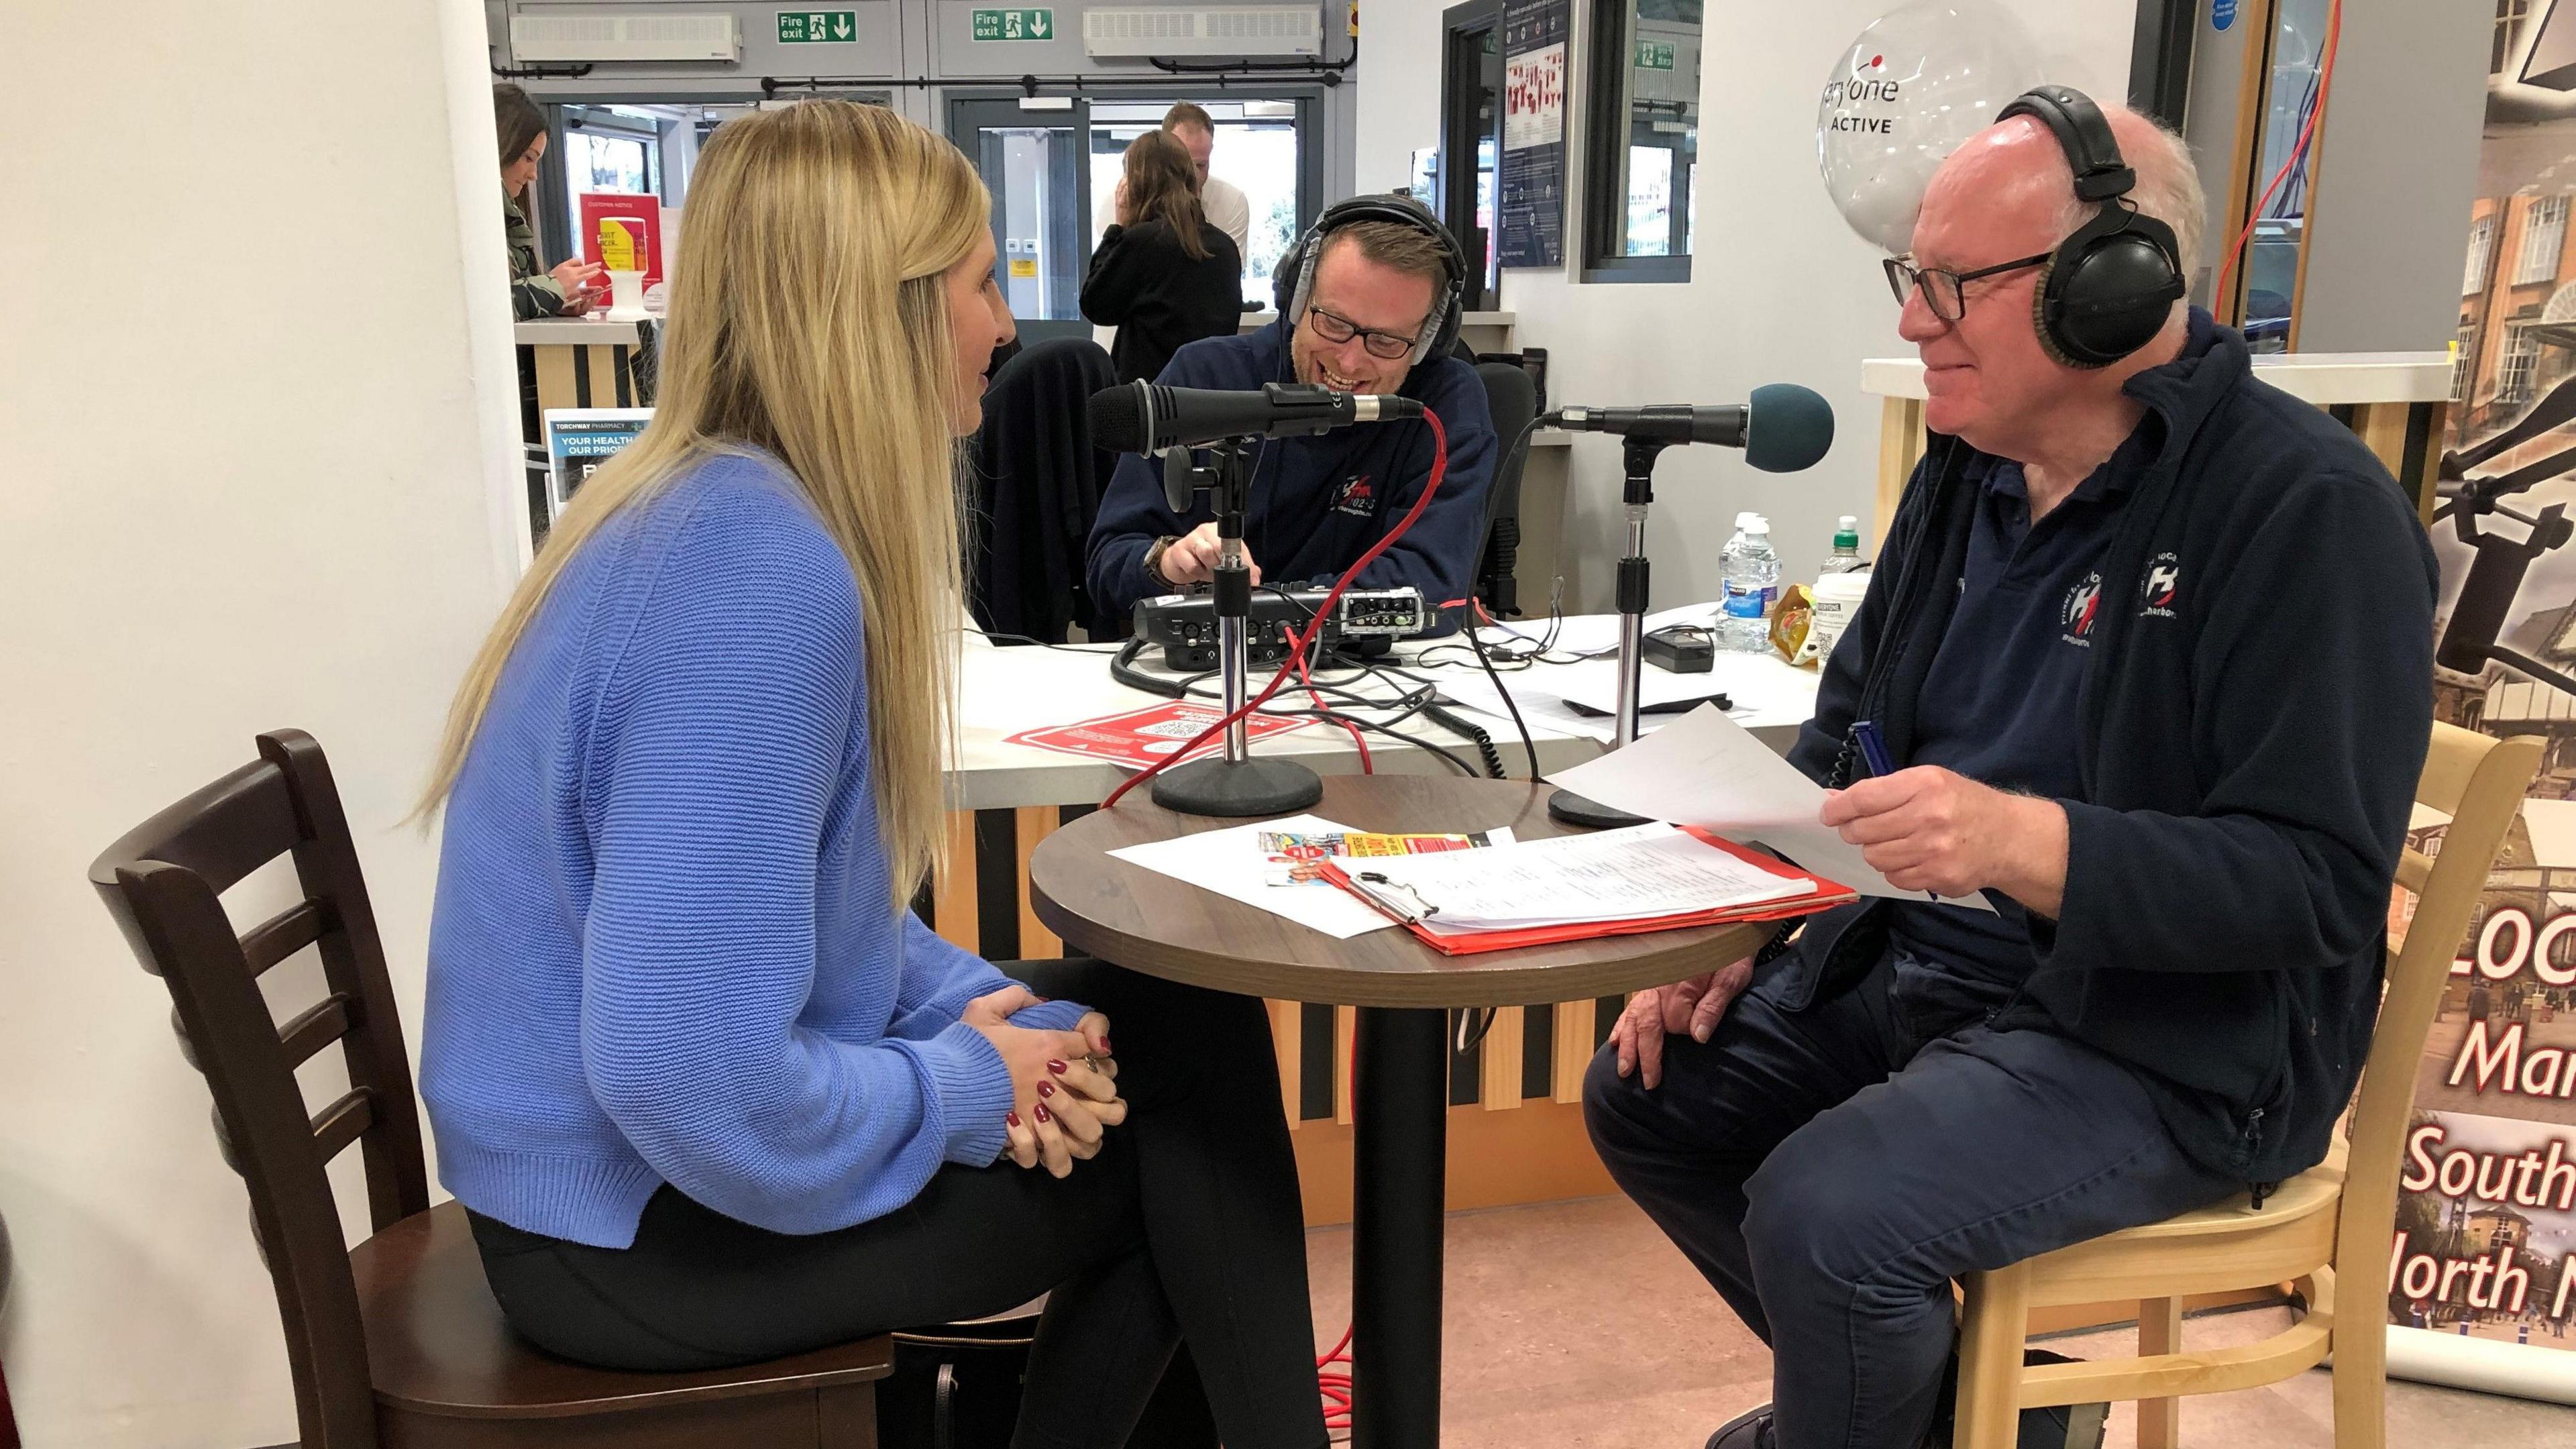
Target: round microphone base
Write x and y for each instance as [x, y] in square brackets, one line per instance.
[1236, 789]
[1567, 808]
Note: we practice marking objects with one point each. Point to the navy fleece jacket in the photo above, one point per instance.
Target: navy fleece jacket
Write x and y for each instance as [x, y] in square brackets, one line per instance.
[1317, 503]
[2253, 726]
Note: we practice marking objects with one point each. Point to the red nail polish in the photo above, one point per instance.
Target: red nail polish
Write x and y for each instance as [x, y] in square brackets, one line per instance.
[1042, 1113]
[1046, 1089]
[1013, 1118]
[1104, 1047]
[1056, 1067]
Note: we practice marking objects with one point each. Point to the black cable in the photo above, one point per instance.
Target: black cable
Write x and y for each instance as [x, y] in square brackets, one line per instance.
[1476, 733]
[999, 637]
[1476, 638]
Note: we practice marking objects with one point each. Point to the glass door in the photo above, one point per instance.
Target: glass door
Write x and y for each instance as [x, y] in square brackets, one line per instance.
[1033, 162]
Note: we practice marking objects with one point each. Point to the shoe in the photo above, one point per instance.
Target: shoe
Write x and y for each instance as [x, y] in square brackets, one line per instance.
[1748, 1430]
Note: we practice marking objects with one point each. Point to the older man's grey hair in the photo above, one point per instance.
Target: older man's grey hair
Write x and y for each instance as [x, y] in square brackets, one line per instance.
[2168, 186]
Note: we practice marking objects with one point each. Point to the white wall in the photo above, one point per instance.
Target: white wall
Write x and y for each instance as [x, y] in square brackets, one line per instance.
[247, 477]
[1781, 290]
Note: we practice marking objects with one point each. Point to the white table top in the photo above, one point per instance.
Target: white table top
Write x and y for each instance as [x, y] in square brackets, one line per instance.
[592, 331]
[1006, 689]
[2323, 378]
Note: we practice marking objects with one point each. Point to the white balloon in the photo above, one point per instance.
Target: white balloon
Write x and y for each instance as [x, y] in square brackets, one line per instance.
[1915, 84]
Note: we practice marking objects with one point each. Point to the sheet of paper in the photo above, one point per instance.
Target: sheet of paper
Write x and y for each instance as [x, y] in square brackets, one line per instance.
[1706, 770]
[1615, 875]
[1232, 863]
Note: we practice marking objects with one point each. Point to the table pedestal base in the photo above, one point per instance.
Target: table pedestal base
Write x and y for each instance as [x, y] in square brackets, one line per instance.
[1401, 1149]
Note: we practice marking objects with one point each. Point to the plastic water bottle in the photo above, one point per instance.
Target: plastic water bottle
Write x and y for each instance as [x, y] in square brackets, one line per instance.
[1845, 558]
[1752, 573]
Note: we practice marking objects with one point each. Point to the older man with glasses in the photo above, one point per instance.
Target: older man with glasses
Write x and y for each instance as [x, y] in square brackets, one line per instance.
[2150, 646]
[1366, 303]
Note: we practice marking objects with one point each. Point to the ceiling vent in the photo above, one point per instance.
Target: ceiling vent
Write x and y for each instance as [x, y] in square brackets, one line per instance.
[1239, 30]
[630, 37]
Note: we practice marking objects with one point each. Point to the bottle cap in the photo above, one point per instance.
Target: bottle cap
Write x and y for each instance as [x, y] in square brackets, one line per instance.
[1847, 532]
[1743, 521]
[1757, 524]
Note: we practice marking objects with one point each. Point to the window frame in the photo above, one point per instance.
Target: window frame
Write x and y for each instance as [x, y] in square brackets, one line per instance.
[1605, 150]
[2481, 259]
[2533, 264]
[2514, 383]
[1462, 72]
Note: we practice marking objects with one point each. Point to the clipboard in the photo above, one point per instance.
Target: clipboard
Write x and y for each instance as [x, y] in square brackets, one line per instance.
[1401, 905]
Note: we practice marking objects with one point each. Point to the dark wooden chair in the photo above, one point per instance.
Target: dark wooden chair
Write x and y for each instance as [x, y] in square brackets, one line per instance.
[396, 1343]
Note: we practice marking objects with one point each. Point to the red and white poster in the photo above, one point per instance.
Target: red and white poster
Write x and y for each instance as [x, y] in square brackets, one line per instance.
[622, 231]
[1141, 737]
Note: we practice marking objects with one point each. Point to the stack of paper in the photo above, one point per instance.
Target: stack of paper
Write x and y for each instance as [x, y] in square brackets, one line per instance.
[1641, 873]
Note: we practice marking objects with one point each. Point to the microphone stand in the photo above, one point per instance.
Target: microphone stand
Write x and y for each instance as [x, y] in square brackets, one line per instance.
[1234, 784]
[1565, 806]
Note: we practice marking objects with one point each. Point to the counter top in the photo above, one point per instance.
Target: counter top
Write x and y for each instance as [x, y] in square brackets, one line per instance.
[595, 331]
[2323, 378]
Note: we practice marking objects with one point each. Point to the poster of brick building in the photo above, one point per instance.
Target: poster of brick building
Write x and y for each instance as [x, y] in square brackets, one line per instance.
[2485, 1241]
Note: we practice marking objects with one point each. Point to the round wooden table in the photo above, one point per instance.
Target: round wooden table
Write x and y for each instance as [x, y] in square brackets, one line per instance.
[1153, 923]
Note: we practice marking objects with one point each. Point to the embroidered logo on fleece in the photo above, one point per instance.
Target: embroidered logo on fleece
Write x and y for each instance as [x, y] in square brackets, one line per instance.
[2083, 605]
[2158, 591]
[1355, 497]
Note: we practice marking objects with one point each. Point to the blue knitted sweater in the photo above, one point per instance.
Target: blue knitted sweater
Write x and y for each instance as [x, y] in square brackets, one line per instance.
[665, 948]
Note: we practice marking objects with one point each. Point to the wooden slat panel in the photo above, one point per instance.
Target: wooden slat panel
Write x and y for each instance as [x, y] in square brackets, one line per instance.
[602, 362]
[339, 1124]
[1500, 1089]
[1346, 1026]
[1900, 447]
[324, 1023]
[284, 934]
[953, 913]
[1573, 1048]
[1287, 1040]
[555, 385]
[1037, 943]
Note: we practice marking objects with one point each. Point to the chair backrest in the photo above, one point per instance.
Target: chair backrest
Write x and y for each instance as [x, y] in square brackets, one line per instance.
[1036, 490]
[1512, 397]
[163, 882]
[2479, 782]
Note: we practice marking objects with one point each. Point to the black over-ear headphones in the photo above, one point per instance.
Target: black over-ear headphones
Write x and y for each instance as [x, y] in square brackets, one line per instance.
[1294, 279]
[2111, 286]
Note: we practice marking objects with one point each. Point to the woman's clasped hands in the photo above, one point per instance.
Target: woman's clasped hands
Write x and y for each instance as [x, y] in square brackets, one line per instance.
[1064, 1084]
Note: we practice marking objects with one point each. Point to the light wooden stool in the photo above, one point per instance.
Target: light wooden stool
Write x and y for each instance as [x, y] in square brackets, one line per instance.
[2337, 1214]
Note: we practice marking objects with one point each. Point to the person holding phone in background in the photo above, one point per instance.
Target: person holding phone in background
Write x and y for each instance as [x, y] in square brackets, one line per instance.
[573, 287]
[1163, 276]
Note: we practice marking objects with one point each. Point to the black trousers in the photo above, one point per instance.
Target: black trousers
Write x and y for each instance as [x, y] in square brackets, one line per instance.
[1829, 1171]
[1187, 1226]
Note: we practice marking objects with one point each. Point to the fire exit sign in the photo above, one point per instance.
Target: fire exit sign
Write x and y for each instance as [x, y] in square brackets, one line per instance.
[818, 27]
[1015, 25]
[1654, 55]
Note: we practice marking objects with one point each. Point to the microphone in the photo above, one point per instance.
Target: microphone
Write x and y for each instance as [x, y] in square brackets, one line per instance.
[1144, 417]
[1783, 429]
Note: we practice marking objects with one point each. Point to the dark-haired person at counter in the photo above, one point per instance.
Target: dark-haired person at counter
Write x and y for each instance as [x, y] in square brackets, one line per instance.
[572, 287]
[709, 1089]
[1162, 276]
[1368, 303]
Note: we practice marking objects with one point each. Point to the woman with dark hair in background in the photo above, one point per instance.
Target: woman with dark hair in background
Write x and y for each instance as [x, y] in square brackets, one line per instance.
[568, 290]
[1162, 276]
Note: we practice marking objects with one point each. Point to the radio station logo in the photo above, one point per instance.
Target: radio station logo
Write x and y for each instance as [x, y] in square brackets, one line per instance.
[2157, 591]
[1865, 100]
[1356, 497]
[2083, 605]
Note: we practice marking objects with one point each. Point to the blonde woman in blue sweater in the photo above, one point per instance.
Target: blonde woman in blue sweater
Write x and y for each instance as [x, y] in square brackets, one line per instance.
[712, 1093]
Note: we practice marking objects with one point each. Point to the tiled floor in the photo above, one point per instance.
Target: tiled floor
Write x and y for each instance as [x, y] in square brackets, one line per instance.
[1576, 1326]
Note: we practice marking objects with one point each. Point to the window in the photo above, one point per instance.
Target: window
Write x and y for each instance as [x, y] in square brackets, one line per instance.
[2481, 254]
[2464, 368]
[2511, 16]
[1643, 155]
[2544, 228]
[1256, 149]
[2514, 367]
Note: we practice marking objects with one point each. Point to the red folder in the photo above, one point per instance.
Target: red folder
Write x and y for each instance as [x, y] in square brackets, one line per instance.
[1825, 896]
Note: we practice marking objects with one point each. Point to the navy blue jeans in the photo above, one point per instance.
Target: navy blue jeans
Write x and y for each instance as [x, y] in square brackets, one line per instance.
[1831, 1170]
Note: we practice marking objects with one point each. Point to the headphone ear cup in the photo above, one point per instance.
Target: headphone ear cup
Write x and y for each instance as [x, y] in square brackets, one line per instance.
[2113, 299]
[2043, 317]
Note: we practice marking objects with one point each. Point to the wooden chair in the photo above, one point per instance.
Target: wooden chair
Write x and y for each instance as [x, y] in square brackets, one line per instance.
[396, 1343]
[2332, 1220]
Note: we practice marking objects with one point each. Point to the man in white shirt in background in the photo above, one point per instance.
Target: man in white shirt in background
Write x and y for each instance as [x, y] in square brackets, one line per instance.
[1223, 201]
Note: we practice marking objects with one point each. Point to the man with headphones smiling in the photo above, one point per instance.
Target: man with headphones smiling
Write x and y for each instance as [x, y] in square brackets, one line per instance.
[1368, 303]
[2150, 653]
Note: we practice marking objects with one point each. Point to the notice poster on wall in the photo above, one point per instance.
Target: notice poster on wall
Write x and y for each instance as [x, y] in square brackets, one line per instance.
[1530, 213]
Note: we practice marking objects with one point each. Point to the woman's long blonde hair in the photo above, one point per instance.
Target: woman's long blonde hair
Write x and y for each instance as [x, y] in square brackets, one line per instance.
[809, 319]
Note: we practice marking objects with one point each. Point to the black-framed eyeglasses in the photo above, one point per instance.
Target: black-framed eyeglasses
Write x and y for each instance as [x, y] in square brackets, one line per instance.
[1388, 346]
[1946, 292]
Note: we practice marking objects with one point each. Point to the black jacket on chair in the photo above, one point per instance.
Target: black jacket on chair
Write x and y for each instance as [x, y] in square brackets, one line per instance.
[1037, 488]
[1158, 296]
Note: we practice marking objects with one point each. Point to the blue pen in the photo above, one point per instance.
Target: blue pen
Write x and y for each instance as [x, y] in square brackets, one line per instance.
[1873, 753]
[1873, 750]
